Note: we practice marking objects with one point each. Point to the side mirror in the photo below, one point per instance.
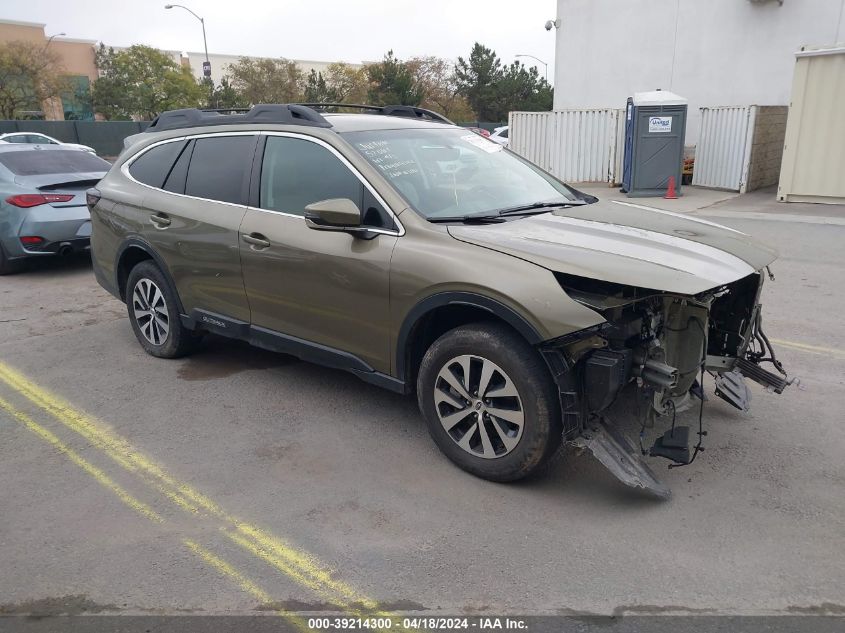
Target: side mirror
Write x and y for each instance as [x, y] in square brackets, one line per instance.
[335, 214]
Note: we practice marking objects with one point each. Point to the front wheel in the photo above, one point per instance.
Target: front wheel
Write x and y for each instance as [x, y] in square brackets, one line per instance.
[489, 402]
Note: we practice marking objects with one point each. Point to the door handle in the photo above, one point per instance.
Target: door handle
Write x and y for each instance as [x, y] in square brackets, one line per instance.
[256, 239]
[160, 220]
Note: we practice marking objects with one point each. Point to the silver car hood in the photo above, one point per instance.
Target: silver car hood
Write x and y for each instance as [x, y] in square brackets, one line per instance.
[627, 244]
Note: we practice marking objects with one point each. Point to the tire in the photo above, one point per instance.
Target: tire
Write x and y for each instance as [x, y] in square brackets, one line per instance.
[162, 335]
[519, 386]
[7, 267]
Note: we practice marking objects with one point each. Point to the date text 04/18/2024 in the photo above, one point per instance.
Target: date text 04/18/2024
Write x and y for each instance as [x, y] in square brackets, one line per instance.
[418, 623]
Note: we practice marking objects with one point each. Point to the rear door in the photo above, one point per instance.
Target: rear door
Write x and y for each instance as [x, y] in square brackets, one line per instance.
[327, 288]
[191, 211]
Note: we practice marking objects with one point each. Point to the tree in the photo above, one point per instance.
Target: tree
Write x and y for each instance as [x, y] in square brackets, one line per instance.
[436, 76]
[316, 90]
[266, 80]
[476, 80]
[521, 88]
[140, 82]
[393, 83]
[225, 96]
[347, 84]
[493, 91]
[30, 74]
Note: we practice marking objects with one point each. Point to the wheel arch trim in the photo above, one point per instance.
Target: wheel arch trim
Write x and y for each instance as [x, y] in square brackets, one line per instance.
[470, 299]
[143, 245]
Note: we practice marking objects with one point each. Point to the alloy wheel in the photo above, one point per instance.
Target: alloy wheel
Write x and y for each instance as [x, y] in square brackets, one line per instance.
[150, 311]
[479, 406]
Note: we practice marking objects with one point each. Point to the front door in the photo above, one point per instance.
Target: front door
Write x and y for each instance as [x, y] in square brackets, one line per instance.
[324, 287]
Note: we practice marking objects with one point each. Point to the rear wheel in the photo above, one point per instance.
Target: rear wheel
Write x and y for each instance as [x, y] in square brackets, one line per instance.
[6, 266]
[154, 315]
[489, 402]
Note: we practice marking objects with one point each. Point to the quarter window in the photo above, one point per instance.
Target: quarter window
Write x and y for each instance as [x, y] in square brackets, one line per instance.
[175, 181]
[218, 167]
[296, 173]
[152, 167]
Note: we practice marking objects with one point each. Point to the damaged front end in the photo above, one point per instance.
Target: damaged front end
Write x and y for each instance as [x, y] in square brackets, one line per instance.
[664, 343]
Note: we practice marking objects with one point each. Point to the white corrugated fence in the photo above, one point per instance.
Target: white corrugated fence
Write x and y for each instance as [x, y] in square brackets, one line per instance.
[724, 147]
[573, 145]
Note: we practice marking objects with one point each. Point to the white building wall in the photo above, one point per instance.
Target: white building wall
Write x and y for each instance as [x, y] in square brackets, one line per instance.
[714, 52]
[220, 64]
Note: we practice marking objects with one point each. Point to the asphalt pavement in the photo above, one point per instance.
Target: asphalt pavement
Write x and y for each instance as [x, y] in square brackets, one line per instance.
[242, 481]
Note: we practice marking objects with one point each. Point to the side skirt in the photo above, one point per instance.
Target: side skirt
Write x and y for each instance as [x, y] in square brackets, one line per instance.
[283, 343]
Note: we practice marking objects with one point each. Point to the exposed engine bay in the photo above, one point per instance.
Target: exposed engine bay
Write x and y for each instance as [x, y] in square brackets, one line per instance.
[665, 345]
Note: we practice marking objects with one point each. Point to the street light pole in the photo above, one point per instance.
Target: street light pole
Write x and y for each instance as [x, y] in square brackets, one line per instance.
[50, 39]
[206, 70]
[545, 65]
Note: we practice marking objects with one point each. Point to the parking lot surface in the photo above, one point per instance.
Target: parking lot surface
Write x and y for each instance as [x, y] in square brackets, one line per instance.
[241, 481]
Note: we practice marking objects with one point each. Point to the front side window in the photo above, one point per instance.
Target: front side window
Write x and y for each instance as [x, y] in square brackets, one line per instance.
[296, 172]
[219, 165]
[444, 172]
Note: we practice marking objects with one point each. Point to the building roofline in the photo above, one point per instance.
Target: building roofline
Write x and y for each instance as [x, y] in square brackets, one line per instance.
[75, 40]
[20, 23]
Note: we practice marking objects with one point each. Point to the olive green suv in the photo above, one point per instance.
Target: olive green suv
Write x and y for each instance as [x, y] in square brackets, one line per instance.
[425, 258]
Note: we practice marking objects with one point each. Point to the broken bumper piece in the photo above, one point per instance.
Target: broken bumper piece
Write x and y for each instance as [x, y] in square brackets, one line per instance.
[618, 455]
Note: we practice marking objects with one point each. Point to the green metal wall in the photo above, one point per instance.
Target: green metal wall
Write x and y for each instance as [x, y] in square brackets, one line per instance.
[106, 137]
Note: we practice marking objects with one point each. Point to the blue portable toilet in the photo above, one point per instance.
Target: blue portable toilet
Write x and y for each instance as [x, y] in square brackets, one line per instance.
[655, 126]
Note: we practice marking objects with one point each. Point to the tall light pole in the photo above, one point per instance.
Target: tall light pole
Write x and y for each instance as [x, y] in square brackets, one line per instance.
[206, 67]
[545, 65]
[51, 101]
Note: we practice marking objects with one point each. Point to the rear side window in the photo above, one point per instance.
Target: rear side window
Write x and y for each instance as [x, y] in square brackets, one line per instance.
[152, 167]
[35, 162]
[296, 173]
[218, 167]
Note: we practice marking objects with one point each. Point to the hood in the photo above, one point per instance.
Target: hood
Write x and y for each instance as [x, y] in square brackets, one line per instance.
[627, 244]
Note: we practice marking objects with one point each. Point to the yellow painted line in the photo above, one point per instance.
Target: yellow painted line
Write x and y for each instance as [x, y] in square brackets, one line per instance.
[292, 562]
[813, 349]
[242, 581]
[80, 461]
[103, 479]
[227, 570]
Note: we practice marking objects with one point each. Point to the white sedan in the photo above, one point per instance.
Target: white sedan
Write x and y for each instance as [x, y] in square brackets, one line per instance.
[35, 138]
[500, 135]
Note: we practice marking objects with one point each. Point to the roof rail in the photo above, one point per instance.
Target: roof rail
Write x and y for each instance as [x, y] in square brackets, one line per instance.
[288, 113]
[388, 110]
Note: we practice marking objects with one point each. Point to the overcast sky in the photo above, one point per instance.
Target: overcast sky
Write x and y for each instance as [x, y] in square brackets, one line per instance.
[347, 30]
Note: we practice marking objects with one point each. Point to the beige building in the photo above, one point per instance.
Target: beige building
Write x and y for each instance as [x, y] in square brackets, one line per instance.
[77, 60]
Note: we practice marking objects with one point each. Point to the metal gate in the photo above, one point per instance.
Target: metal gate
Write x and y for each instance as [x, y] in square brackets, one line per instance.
[723, 151]
[573, 145]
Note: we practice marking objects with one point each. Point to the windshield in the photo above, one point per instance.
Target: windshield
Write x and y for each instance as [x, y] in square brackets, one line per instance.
[61, 161]
[455, 172]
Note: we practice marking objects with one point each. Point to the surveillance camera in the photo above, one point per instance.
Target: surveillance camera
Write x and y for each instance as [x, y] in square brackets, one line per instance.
[549, 25]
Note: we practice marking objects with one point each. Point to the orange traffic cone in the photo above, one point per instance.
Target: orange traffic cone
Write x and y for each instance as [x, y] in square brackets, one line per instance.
[670, 190]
